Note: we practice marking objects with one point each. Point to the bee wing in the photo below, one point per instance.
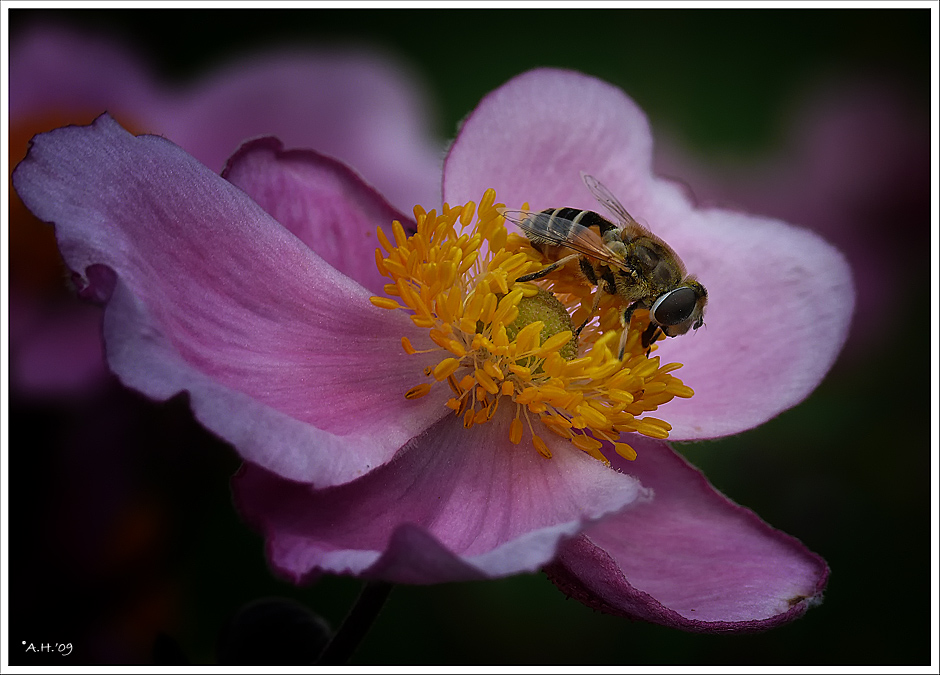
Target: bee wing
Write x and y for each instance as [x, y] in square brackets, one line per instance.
[552, 229]
[606, 197]
[630, 228]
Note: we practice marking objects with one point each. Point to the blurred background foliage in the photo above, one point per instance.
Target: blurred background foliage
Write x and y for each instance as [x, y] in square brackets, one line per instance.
[113, 547]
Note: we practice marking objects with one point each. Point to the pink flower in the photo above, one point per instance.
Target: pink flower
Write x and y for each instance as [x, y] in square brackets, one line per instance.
[355, 105]
[854, 165]
[253, 293]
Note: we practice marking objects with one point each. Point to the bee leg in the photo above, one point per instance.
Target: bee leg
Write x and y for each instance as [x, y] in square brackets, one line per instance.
[650, 335]
[548, 270]
[625, 321]
[597, 301]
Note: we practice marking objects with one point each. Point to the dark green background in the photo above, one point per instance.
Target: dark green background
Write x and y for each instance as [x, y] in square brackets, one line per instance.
[846, 471]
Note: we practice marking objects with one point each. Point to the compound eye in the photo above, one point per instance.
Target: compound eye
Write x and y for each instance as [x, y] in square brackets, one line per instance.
[674, 307]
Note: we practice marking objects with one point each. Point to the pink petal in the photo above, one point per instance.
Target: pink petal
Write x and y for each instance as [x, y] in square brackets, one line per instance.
[282, 355]
[850, 192]
[321, 201]
[456, 504]
[779, 310]
[689, 558]
[53, 69]
[780, 298]
[359, 106]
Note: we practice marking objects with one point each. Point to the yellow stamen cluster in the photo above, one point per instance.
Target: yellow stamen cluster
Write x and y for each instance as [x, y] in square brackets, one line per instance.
[568, 284]
[459, 281]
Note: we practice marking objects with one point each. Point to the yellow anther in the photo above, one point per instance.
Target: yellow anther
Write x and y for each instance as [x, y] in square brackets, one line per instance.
[438, 337]
[521, 371]
[554, 365]
[501, 337]
[513, 261]
[486, 381]
[604, 371]
[586, 443]
[445, 368]
[401, 239]
[528, 290]
[499, 278]
[541, 447]
[647, 368]
[512, 343]
[515, 431]
[467, 325]
[380, 264]
[474, 307]
[489, 198]
[489, 308]
[406, 345]
[651, 430]
[527, 395]
[384, 303]
[506, 305]
[493, 370]
[669, 367]
[556, 421]
[554, 343]
[467, 262]
[593, 417]
[466, 214]
[383, 240]
[676, 388]
[448, 273]
[393, 268]
[537, 407]
[625, 451]
[620, 396]
[527, 338]
[455, 348]
[418, 391]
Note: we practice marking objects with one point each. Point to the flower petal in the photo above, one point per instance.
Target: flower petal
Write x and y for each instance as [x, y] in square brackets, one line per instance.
[456, 504]
[282, 355]
[321, 201]
[689, 558]
[780, 298]
[361, 106]
[530, 138]
[850, 192]
[54, 69]
[779, 310]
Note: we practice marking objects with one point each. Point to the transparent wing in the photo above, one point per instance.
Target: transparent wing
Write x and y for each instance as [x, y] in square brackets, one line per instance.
[606, 197]
[548, 228]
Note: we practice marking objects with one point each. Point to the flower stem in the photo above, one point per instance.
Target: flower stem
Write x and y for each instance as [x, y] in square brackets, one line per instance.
[356, 624]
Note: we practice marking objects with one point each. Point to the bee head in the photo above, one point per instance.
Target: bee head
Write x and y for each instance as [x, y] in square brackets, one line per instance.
[682, 308]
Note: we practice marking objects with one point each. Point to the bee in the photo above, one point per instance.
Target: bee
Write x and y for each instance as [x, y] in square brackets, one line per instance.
[623, 259]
